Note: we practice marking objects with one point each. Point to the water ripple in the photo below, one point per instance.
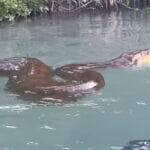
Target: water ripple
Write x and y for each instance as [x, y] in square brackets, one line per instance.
[18, 107]
[116, 147]
[9, 126]
[46, 127]
[32, 143]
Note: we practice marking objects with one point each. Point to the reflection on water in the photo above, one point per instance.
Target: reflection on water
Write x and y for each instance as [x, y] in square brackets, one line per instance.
[118, 114]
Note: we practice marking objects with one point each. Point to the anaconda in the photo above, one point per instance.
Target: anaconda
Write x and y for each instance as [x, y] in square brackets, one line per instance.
[32, 79]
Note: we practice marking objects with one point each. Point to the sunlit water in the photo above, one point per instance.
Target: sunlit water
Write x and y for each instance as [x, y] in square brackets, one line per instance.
[106, 121]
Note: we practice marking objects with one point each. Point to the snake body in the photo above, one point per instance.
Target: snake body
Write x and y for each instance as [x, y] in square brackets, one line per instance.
[32, 79]
[137, 145]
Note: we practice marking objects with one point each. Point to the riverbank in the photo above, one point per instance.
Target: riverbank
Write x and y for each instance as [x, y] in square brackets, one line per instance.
[13, 9]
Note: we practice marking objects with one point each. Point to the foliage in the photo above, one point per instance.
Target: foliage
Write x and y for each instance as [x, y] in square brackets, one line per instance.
[36, 6]
[9, 9]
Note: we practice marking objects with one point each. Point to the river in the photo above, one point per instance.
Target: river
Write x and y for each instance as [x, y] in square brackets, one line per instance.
[105, 121]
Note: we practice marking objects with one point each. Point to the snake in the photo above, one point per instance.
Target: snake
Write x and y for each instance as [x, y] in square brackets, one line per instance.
[137, 145]
[32, 79]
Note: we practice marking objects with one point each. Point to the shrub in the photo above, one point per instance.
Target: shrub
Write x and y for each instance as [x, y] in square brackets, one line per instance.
[9, 9]
[35, 6]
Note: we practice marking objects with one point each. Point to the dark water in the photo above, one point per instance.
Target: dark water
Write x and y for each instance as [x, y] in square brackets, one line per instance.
[119, 113]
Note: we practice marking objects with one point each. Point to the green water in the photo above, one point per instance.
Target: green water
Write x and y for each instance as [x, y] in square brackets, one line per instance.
[106, 121]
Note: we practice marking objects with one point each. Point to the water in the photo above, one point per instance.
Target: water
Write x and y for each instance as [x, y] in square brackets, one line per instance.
[106, 121]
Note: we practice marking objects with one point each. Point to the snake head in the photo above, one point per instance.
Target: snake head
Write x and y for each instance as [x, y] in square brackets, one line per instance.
[141, 58]
[137, 58]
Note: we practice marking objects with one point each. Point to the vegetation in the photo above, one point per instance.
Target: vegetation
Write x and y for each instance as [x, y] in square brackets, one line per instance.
[10, 9]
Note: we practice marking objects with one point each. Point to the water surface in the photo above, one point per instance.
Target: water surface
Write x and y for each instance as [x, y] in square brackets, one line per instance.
[117, 114]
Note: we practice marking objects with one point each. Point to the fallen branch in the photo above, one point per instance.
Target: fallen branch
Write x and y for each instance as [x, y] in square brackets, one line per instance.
[128, 7]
